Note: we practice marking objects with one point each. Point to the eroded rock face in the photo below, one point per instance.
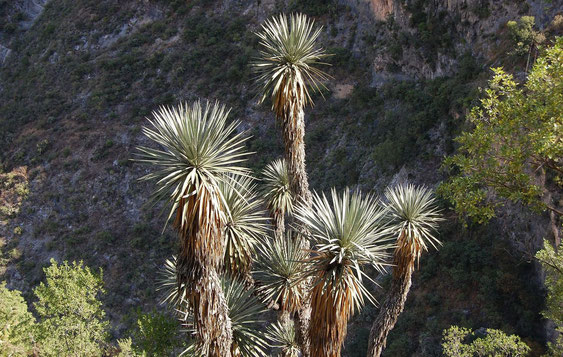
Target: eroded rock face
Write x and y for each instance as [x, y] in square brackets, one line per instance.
[382, 8]
[378, 9]
[469, 24]
[32, 9]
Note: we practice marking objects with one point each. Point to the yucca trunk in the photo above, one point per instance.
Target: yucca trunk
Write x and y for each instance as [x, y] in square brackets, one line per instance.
[211, 319]
[294, 140]
[279, 224]
[329, 321]
[293, 124]
[403, 260]
[201, 254]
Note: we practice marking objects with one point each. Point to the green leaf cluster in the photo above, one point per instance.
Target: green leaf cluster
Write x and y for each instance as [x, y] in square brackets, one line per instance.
[72, 319]
[156, 335]
[523, 35]
[17, 324]
[515, 142]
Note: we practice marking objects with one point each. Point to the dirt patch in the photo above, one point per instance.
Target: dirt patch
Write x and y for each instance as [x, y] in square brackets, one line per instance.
[342, 91]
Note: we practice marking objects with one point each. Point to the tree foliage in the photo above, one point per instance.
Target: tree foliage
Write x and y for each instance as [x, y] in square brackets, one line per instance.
[523, 35]
[515, 143]
[552, 262]
[126, 349]
[17, 324]
[462, 342]
[72, 319]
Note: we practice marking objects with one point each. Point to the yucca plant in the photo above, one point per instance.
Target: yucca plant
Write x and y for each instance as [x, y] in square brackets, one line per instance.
[348, 234]
[277, 194]
[172, 293]
[284, 339]
[414, 219]
[244, 226]
[245, 313]
[279, 269]
[198, 151]
[286, 72]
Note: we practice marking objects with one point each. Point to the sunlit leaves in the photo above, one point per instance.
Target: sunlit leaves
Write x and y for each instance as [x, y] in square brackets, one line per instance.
[288, 62]
[198, 148]
[279, 269]
[347, 232]
[284, 338]
[244, 227]
[413, 217]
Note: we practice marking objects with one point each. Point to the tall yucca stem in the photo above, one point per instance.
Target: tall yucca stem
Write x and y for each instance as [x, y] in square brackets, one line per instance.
[414, 217]
[198, 151]
[201, 252]
[293, 125]
[294, 139]
[288, 66]
[404, 261]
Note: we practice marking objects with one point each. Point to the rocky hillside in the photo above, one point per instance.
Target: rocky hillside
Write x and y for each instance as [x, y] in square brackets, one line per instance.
[78, 78]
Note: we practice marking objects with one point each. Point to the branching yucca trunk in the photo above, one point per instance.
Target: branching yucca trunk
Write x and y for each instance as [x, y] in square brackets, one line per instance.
[201, 253]
[287, 69]
[392, 307]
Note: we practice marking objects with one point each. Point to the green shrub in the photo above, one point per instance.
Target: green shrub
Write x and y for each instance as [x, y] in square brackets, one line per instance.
[72, 319]
[156, 334]
[457, 343]
[17, 324]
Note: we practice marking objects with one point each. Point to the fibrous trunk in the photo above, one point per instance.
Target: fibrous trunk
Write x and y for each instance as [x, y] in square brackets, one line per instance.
[329, 321]
[201, 253]
[279, 224]
[293, 123]
[394, 303]
[294, 140]
[211, 319]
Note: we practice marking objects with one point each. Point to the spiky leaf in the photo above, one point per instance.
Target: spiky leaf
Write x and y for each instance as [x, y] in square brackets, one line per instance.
[414, 219]
[245, 226]
[284, 338]
[277, 192]
[198, 150]
[288, 62]
[279, 269]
